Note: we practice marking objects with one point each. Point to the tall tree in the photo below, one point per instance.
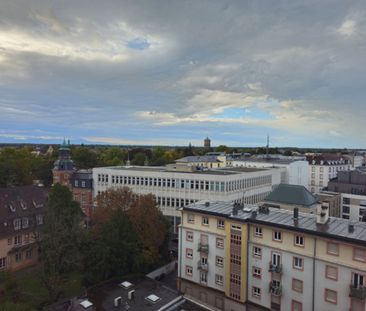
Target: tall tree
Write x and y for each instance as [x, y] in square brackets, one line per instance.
[61, 237]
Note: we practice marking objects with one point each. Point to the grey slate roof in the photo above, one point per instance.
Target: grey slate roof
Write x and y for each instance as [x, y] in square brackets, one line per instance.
[198, 159]
[336, 228]
[291, 194]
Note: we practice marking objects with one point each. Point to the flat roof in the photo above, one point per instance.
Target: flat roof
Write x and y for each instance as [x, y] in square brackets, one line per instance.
[163, 169]
[335, 227]
[270, 160]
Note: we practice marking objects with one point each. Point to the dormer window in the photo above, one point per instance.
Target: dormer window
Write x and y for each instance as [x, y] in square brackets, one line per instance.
[12, 207]
[23, 204]
[17, 224]
[25, 222]
[39, 219]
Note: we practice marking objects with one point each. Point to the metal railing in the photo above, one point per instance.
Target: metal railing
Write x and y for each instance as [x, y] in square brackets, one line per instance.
[357, 292]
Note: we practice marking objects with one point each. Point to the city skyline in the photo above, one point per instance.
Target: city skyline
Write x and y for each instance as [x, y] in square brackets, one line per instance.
[170, 73]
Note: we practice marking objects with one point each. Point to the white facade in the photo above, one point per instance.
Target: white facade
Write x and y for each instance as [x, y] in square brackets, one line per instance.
[175, 189]
[319, 175]
[292, 172]
[353, 206]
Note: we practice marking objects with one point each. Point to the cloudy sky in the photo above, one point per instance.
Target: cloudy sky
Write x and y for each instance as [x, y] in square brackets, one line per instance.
[171, 72]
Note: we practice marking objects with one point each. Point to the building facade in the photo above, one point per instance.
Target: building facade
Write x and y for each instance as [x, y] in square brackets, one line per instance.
[323, 168]
[174, 188]
[22, 211]
[80, 182]
[294, 172]
[275, 259]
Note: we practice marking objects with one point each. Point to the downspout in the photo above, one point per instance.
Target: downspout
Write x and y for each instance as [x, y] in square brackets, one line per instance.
[314, 274]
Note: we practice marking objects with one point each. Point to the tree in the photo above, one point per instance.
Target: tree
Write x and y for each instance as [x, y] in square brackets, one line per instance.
[84, 158]
[112, 157]
[61, 239]
[139, 159]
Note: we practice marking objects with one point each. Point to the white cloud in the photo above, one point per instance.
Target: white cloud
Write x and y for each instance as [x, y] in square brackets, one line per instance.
[348, 28]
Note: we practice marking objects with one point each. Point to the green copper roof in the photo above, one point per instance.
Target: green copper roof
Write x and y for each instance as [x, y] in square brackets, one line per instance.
[291, 194]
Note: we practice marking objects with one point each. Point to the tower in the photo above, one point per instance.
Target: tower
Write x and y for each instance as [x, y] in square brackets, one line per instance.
[63, 167]
[207, 143]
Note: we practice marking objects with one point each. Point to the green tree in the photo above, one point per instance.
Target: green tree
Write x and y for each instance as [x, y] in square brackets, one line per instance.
[112, 156]
[61, 239]
[139, 159]
[84, 158]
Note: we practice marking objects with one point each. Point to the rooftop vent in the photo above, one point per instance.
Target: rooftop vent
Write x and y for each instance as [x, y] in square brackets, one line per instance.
[207, 204]
[126, 284]
[86, 304]
[296, 213]
[153, 298]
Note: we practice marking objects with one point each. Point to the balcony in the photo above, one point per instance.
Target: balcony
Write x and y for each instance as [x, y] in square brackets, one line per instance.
[203, 248]
[275, 290]
[202, 266]
[275, 268]
[357, 292]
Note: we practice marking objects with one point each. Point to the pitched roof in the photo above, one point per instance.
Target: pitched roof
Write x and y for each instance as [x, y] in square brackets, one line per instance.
[292, 194]
[198, 159]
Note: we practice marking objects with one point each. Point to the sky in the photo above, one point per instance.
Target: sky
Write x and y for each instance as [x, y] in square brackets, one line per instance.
[175, 71]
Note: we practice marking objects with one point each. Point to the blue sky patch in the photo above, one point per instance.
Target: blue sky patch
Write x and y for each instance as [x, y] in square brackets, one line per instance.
[138, 44]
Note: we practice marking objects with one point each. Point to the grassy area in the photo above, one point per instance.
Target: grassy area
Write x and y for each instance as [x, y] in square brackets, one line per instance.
[25, 291]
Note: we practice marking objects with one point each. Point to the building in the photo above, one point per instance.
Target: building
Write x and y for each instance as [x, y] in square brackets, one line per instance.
[352, 187]
[356, 159]
[334, 200]
[205, 161]
[79, 182]
[293, 171]
[323, 168]
[174, 188]
[207, 143]
[22, 211]
[288, 197]
[235, 258]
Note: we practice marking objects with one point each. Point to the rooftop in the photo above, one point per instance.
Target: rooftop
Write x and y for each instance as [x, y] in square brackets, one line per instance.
[199, 159]
[292, 194]
[269, 160]
[336, 228]
[163, 169]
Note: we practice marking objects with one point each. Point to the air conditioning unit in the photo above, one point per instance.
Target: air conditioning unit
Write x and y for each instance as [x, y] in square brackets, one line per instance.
[117, 301]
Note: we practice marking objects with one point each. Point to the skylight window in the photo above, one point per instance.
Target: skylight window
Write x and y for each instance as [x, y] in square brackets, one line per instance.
[153, 298]
[86, 304]
[126, 284]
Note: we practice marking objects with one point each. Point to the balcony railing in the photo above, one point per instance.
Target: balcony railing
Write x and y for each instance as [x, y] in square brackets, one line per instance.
[275, 290]
[357, 292]
[202, 266]
[275, 268]
[203, 248]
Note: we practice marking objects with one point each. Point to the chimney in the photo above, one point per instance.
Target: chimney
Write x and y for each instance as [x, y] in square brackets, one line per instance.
[322, 213]
[296, 213]
[351, 227]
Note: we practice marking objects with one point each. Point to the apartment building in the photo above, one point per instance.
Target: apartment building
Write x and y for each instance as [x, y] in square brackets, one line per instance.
[22, 211]
[293, 171]
[175, 188]
[352, 187]
[323, 168]
[275, 259]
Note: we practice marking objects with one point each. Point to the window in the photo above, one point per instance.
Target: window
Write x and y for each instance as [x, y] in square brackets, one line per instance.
[189, 236]
[276, 259]
[220, 224]
[205, 221]
[277, 236]
[39, 219]
[359, 254]
[17, 224]
[77, 183]
[83, 184]
[298, 263]
[299, 240]
[219, 261]
[346, 201]
[257, 251]
[345, 209]
[25, 222]
[256, 272]
[358, 280]
[190, 218]
[332, 249]
[256, 292]
[18, 240]
[189, 253]
[219, 279]
[258, 232]
[18, 257]
[219, 243]
[296, 306]
[297, 285]
[330, 296]
[203, 277]
[189, 270]
[2, 262]
[29, 254]
[331, 272]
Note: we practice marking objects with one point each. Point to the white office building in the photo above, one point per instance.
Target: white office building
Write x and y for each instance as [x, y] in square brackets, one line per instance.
[174, 188]
[293, 172]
